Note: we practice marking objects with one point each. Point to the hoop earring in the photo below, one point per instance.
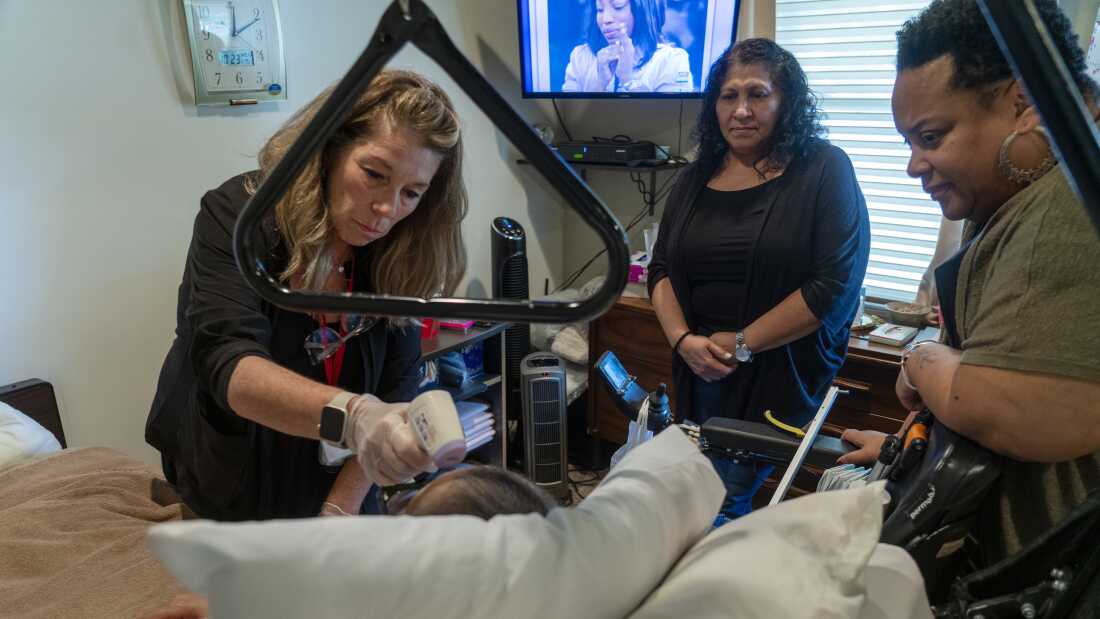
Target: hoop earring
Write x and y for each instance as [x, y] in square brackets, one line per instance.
[1018, 175]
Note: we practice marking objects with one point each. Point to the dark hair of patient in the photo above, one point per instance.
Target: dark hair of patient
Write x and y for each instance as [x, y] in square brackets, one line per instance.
[957, 28]
[797, 125]
[482, 491]
[649, 20]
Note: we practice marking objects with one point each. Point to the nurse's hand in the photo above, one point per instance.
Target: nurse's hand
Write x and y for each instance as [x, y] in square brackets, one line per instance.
[387, 447]
[706, 359]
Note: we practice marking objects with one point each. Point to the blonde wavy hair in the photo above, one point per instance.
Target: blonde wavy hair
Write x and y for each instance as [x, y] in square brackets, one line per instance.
[423, 255]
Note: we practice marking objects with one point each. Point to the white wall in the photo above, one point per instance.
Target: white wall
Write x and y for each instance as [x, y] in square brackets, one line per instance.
[103, 158]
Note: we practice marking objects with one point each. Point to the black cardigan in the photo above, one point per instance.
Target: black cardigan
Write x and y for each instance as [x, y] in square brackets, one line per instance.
[229, 466]
[814, 237]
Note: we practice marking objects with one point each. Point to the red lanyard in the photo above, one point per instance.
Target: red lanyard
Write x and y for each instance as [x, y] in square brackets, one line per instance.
[335, 363]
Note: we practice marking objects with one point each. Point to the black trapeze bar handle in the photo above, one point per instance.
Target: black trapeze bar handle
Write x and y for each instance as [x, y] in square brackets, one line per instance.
[411, 21]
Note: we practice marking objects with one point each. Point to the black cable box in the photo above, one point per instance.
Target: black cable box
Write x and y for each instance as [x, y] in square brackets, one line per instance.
[622, 153]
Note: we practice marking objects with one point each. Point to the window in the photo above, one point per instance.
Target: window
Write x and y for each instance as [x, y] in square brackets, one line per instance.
[848, 48]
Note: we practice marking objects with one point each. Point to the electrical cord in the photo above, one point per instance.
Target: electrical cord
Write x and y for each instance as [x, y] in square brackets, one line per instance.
[561, 122]
[573, 276]
[680, 131]
[783, 426]
[648, 198]
[578, 486]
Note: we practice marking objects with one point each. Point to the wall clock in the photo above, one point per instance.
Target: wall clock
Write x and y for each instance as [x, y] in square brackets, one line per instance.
[236, 51]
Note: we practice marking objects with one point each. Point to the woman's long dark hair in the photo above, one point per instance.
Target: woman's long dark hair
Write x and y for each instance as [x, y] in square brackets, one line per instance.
[798, 122]
[649, 20]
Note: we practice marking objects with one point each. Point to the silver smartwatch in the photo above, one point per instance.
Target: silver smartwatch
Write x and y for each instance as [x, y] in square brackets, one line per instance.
[742, 353]
[334, 420]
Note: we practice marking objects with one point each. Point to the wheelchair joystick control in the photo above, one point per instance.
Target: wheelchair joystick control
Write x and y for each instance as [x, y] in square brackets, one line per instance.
[887, 455]
[890, 447]
[659, 415]
[914, 446]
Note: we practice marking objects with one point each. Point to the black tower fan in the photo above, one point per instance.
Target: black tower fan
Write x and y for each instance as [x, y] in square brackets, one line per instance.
[510, 282]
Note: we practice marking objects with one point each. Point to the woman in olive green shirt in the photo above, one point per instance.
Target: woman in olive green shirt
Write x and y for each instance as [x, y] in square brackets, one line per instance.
[1017, 370]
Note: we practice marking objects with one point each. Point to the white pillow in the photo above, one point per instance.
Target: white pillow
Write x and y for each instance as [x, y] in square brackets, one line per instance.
[895, 589]
[801, 558]
[21, 437]
[600, 559]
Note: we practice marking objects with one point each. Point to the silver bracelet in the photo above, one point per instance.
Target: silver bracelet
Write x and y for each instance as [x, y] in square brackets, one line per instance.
[905, 354]
[334, 506]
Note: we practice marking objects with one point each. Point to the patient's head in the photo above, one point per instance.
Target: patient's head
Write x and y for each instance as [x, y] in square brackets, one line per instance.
[482, 491]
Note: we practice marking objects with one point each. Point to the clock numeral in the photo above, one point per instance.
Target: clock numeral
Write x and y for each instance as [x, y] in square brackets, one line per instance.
[259, 77]
[210, 55]
[217, 78]
[259, 34]
[256, 13]
[240, 78]
[260, 55]
[205, 34]
[204, 11]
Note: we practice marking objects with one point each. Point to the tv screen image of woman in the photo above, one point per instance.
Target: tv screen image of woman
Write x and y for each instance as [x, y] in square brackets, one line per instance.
[622, 48]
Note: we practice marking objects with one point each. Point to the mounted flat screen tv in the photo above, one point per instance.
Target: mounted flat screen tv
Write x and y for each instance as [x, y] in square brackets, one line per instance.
[622, 48]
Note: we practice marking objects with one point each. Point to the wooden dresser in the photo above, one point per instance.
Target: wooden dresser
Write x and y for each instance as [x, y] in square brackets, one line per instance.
[631, 330]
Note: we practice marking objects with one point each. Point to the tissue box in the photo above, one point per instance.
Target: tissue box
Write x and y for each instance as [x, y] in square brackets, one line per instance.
[639, 260]
[457, 325]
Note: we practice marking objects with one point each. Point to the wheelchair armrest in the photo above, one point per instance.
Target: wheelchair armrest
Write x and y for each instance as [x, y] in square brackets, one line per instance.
[751, 440]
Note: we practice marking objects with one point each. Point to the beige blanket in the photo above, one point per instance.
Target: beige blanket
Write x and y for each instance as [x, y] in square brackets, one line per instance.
[72, 537]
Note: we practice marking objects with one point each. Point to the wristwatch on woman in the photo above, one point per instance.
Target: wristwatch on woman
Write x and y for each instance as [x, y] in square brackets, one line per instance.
[334, 420]
[742, 353]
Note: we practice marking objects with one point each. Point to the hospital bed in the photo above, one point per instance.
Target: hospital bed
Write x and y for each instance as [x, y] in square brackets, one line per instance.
[73, 520]
[934, 496]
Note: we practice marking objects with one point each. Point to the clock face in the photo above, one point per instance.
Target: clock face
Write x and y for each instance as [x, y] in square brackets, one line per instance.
[236, 46]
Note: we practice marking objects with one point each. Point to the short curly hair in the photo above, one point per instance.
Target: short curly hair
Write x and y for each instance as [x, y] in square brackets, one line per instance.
[958, 28]
[798, 122]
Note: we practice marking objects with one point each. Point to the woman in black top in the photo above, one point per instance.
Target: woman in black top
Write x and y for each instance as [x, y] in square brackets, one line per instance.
[762, 249]
[241, 392]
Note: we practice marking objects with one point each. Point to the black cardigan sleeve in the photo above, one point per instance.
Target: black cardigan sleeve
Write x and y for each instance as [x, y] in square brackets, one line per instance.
[841, 242]
[226, 316]
[400, 372]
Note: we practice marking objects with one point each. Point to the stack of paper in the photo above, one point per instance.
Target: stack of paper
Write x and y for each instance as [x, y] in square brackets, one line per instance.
[477, 423]
[843, 477]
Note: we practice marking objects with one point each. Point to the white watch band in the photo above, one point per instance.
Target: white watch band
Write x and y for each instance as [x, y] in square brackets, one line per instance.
[340, 401]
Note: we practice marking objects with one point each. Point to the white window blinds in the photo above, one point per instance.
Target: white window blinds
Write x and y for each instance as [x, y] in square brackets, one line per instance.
[847, 49]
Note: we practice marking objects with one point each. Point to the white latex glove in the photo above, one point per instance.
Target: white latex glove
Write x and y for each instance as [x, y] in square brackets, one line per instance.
[388, 450]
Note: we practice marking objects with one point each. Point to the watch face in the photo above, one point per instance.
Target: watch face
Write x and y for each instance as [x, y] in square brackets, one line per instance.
[332, 424]
[742, 354]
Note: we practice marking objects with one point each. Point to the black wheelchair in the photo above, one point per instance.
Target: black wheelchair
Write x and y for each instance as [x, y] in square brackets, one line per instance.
[937, 481]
